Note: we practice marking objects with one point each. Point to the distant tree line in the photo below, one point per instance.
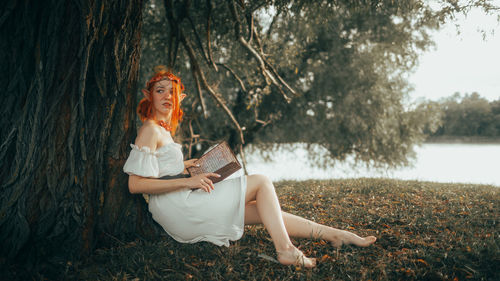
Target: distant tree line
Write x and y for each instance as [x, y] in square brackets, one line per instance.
[468, 115]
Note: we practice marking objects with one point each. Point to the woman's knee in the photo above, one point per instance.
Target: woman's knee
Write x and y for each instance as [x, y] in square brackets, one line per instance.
[255, 183]
[260, 180]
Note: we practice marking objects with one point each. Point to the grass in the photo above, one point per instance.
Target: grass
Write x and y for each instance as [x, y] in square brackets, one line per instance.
[425, 230]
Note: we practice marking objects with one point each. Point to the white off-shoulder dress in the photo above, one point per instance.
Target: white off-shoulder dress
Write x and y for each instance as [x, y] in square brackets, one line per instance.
[187, 215]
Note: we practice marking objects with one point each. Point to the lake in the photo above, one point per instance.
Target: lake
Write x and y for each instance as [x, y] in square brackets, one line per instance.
[453, 163]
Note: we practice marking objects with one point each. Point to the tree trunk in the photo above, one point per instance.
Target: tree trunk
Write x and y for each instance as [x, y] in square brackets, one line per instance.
[68, 80]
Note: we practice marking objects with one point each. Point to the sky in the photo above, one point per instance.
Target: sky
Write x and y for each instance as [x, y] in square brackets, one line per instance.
[462, 63]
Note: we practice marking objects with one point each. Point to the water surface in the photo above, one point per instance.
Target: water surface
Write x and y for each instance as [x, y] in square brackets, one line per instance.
[457, 163]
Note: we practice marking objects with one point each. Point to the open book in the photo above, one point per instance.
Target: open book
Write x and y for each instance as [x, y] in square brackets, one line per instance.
[220, 160]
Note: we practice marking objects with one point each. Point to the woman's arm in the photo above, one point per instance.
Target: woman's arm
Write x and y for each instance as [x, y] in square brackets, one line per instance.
[138, 184]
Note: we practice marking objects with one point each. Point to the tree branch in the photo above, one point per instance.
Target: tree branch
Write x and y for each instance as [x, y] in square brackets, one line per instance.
[170, 49]
[218, 98]
[198, 40]
[242, 85]
[209, 45]
[260, 60]
[200, 94]
[268, 34]
[175, 33]
[192, 138]
[257, 39]
[249, 18]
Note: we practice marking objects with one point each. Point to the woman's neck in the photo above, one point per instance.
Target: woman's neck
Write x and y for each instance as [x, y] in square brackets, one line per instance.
[163, 117]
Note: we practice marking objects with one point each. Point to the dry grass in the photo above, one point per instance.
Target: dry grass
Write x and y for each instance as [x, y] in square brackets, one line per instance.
[426, 231]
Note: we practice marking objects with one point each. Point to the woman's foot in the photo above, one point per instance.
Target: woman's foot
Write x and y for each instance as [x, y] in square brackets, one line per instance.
[295, 257]
[345, 237]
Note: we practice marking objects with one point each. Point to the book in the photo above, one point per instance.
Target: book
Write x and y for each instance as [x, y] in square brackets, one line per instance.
[220, 160]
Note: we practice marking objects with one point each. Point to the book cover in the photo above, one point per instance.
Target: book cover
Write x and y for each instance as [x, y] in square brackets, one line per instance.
[220, 160]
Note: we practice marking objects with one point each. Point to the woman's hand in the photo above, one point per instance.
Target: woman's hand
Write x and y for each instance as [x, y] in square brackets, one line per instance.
[202, 181]
[190, 163]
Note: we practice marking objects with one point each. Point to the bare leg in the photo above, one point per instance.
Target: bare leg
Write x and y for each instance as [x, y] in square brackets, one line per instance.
[261, 189]
[303, 228]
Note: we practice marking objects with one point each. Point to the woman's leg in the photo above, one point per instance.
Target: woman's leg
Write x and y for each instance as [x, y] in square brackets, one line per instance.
[261, 189]
[303, 228]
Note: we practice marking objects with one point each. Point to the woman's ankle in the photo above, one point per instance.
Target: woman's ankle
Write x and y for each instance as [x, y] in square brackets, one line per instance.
[295, 257]
[285, 248]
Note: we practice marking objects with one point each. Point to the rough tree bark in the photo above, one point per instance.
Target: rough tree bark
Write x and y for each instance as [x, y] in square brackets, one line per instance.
[68, 80]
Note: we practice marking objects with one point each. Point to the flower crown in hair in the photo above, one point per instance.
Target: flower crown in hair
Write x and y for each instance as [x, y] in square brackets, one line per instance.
[161, 75]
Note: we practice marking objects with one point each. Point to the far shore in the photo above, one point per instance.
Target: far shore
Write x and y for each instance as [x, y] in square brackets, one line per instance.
[463, 139]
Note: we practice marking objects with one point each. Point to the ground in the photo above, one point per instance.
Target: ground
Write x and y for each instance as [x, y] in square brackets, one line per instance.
[425, 230]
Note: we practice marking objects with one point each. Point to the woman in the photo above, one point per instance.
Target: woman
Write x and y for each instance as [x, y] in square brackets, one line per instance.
[193, 209]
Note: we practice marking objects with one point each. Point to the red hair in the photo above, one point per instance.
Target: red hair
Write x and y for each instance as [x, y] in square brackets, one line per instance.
[145, 108]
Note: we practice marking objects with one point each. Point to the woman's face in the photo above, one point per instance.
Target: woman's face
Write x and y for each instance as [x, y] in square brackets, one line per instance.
[161, 96]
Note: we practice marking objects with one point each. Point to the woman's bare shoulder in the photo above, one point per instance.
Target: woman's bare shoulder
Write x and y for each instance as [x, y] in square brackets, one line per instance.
[148, 135]
[148, 126]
